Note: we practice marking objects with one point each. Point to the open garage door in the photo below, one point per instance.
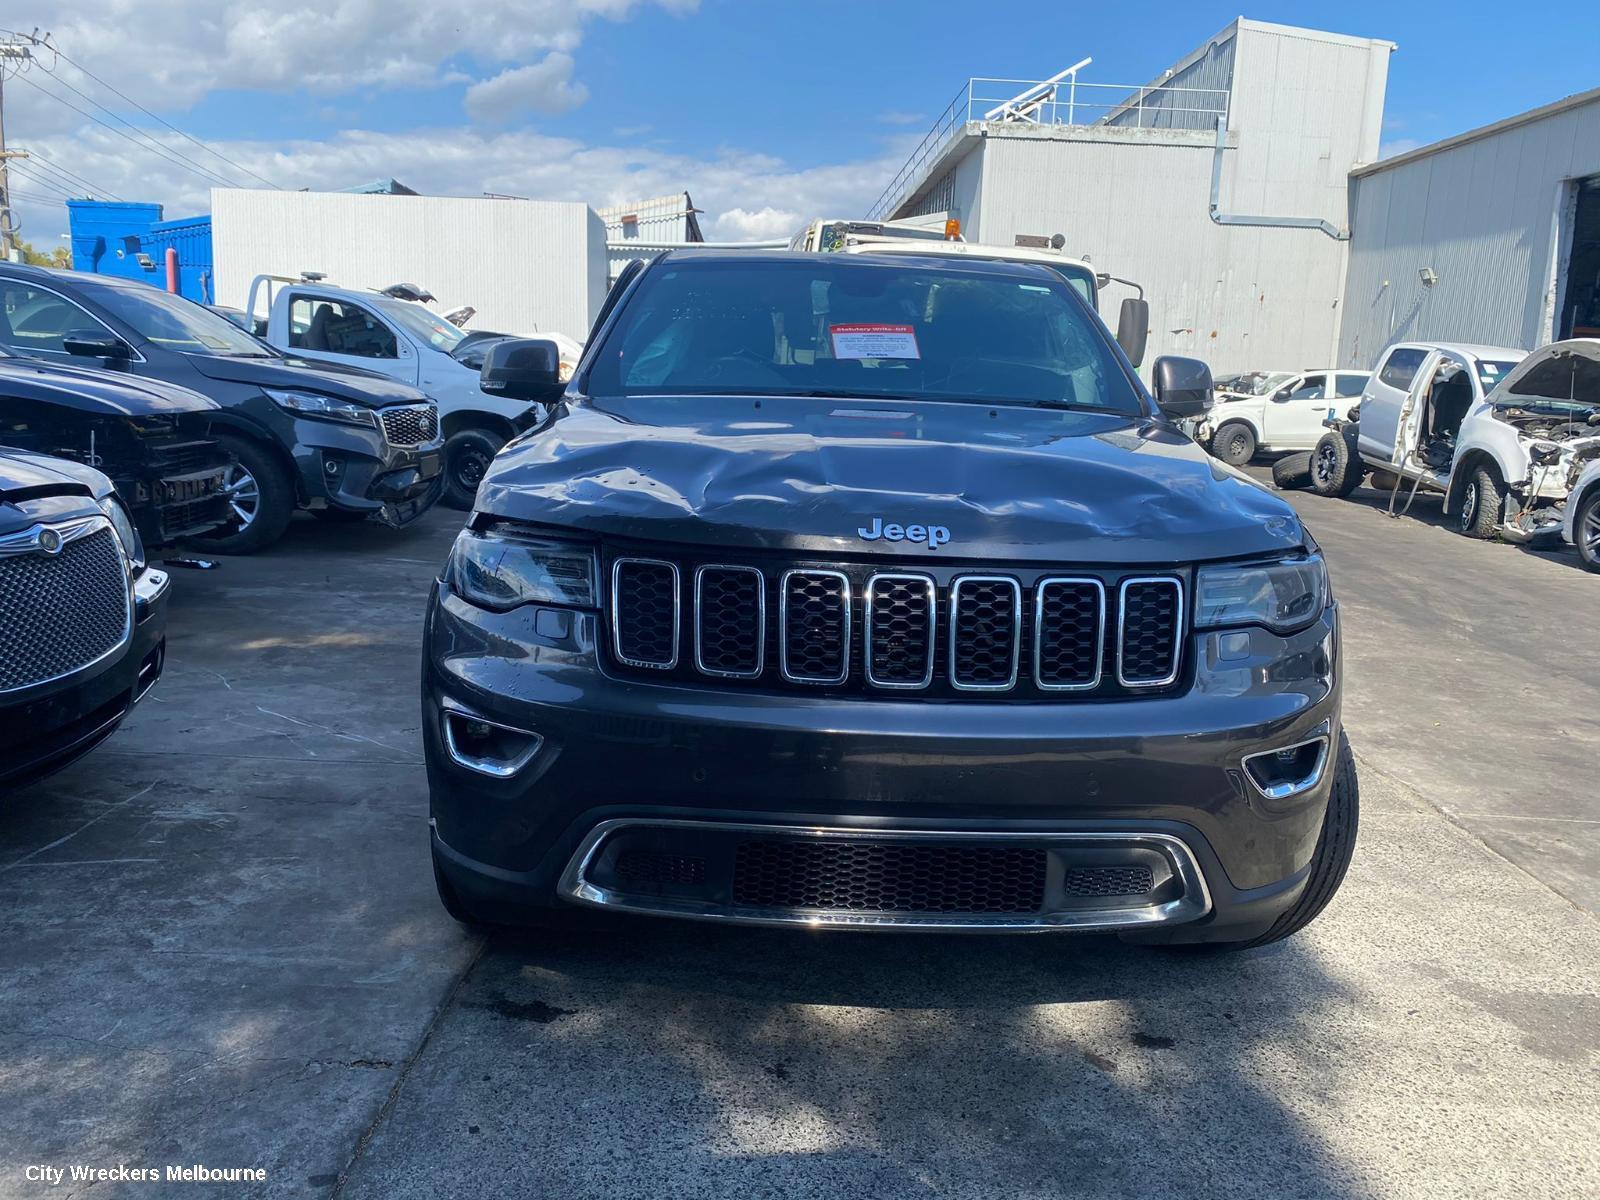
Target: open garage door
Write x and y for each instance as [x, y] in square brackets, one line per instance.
[1580, 311]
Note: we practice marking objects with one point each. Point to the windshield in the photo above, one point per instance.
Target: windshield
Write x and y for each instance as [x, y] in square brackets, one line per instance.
[1491, 372]
[834, 325]
[423, 324]
[174, 323]
[1259, 383]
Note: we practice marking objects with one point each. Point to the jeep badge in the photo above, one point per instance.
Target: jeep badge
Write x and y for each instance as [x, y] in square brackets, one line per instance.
[934, 535]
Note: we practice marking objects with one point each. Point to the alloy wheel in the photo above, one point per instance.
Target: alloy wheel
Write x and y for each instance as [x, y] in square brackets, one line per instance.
[1469, 505]
[244, 494]
[1589, 535]
[1326, 461]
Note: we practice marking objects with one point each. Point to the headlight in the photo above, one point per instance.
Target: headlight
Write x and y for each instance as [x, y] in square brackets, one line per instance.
[1282, 596]
[323, 408]
[500, 571]
[132, 544]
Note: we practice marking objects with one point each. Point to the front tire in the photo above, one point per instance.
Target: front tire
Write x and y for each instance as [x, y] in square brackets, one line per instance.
[1586, 531]
[1234, 443]
[1483, 501]
[1335, 471]
[1335, 847]
[260, 493]
[467, 455]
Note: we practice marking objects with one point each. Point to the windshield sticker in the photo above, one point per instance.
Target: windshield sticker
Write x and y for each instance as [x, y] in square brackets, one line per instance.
[874, 341]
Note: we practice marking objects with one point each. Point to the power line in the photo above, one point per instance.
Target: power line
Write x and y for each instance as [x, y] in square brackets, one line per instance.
[38, 179]
[150, 144]
[35, 156]
[69, 180]
[153, 116]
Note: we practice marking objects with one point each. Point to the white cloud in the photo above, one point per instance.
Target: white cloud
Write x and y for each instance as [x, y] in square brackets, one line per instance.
[743, 196]
[542, 87]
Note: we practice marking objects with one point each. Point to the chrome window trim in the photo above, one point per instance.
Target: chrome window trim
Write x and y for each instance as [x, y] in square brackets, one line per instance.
[1177, 634]
[783, 627]
[677, 613]
[956, 585]
[71, 531]
[1195, 902]
[761, 621]
[1099, 632]
[933, 630]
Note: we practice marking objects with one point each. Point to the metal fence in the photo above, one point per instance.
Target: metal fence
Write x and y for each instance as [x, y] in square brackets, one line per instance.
[1059, 101]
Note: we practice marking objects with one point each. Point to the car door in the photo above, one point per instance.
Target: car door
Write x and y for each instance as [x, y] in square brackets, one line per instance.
[1383, 398]
[337, 329]
[1294, 413]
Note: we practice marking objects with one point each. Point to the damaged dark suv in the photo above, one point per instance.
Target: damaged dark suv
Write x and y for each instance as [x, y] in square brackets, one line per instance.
[878, 593]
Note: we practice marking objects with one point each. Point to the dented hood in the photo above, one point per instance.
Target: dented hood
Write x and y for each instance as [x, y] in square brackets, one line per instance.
[325, 378]
[806, 474]
[88, 389]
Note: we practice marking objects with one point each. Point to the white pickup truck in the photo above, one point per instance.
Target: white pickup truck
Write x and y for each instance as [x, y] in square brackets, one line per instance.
[1505, 435]
[406, 340]
[1276, 411]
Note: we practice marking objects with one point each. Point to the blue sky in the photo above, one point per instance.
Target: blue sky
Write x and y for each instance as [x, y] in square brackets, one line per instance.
[764, 109]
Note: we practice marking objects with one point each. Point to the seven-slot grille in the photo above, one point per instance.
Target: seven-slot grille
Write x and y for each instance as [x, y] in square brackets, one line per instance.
[409, 424]
[943, 633]
[62, 612]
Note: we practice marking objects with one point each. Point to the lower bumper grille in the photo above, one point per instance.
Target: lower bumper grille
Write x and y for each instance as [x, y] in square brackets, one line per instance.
[889, 877]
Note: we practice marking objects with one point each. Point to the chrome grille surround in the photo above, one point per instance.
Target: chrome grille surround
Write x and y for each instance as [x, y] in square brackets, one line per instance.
[958, 585]
[873, 639]
[42, 610]
[1175, 626]
[619, 632]
[1041, 591]
[700, 617]
[786, 629]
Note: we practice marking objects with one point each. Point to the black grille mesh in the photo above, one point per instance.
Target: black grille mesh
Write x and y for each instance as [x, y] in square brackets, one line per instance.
[889, 877]
[647, 613]
[651, 866]
[1107, 881]
[1069, 633]
[61, 613]
[729, 616]
[900, 632]
[411, 425]
[815, 636]
[984, 633]
[1149, 630]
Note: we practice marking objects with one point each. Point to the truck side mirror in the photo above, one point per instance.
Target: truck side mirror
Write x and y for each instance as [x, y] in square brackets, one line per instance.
[523, 369]
[1133, 328]
[1182, 386]
[92, 343]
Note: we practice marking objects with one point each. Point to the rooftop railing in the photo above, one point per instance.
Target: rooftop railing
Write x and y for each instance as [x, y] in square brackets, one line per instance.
[1059, 101]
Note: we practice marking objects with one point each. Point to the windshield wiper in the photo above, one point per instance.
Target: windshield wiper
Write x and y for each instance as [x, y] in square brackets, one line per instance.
[1075, 406]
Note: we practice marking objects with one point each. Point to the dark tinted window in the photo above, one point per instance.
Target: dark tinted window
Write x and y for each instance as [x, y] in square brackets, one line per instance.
[1401, 368]
[34, 319]
[1312, 387]
[1349, 385]
[339, 329]
[840, 325]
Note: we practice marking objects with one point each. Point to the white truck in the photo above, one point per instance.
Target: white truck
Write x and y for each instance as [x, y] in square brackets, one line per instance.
[403, 338]
[914, 237]
[1506, 436]
[1280, 411]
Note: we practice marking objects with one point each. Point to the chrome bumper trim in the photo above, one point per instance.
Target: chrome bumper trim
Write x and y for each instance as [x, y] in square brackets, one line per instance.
[1195, 902]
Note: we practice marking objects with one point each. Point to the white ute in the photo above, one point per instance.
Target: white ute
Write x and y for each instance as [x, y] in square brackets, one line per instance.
[403, 338]
[1280, 411]
[1506, 436]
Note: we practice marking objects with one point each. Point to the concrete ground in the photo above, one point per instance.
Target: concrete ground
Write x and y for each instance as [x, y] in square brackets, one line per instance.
[219, 944]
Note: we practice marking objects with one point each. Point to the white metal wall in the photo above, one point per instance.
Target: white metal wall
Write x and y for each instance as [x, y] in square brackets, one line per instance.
[1485, 213]
[527, 266]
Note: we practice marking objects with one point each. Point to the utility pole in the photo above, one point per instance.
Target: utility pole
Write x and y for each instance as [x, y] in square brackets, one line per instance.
[13, 54]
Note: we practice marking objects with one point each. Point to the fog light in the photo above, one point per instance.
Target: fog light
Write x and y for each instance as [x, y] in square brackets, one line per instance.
[484, 746]
[1290, 770]
[331, 467]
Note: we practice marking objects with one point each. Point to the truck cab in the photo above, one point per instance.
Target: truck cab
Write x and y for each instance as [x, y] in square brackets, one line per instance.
[409, 342]
[1277, 412]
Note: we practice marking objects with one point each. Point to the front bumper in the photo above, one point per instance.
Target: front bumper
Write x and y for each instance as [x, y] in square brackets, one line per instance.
[356, 469]
[42, 732]
[1141, 770]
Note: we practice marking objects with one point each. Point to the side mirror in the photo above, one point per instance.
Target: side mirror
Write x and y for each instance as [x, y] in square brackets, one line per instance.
[1133, 328]
[91, 343]
[523, 369]
[1182, 386]
[1283, 394]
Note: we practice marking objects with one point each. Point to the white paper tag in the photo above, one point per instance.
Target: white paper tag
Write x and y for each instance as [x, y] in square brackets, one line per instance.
[874, 341]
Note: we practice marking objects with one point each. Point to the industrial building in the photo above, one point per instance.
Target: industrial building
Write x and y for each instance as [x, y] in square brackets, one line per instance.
[639, 228]
[1492, 236]
[1220, 186]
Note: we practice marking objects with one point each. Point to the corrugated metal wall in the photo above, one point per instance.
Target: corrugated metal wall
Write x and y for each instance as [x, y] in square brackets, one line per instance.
[527, 266]
[1485, 215]
[1203, 83]
[662, 219]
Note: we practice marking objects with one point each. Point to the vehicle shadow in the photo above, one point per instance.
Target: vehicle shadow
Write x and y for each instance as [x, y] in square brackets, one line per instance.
[785, 1063]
